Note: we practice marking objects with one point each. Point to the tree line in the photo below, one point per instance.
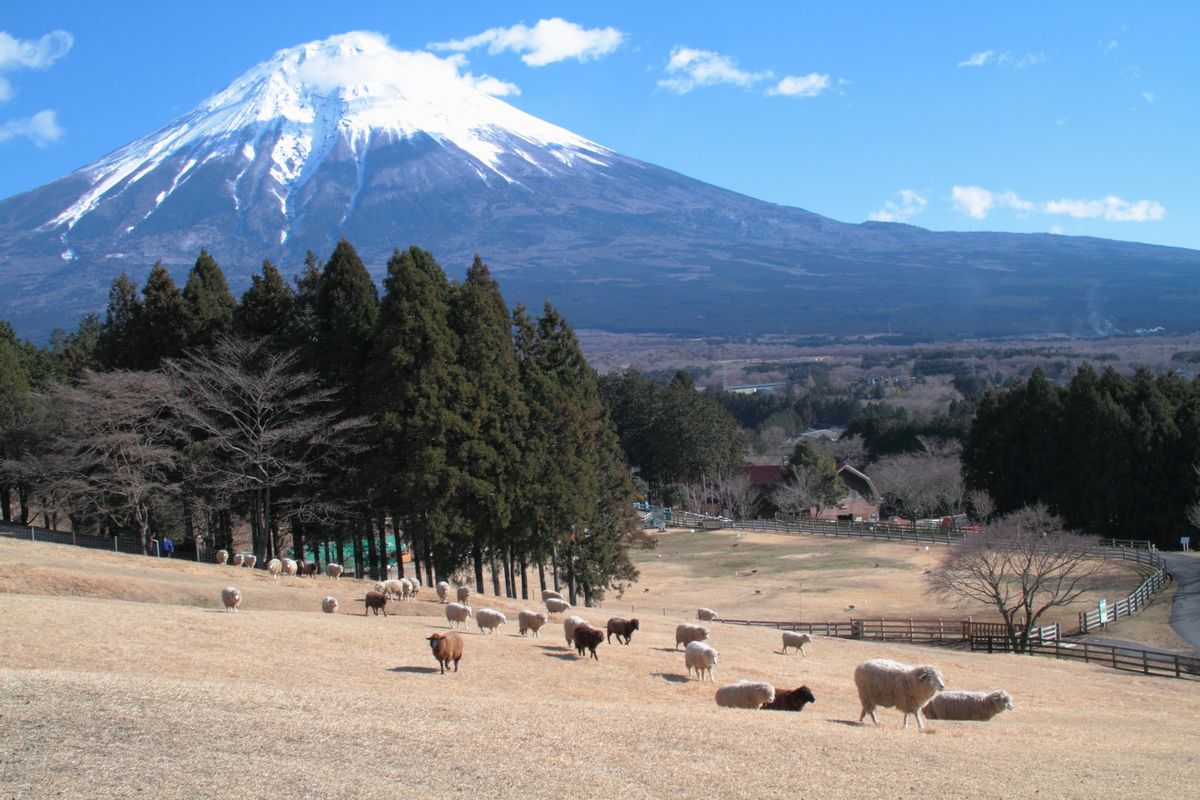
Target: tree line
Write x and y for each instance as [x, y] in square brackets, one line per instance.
[428, 419]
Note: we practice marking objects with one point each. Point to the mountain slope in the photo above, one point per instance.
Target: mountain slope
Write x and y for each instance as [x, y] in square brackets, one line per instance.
[347, 137]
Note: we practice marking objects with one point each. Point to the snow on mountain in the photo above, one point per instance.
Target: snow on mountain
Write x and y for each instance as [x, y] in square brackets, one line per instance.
[352, 88]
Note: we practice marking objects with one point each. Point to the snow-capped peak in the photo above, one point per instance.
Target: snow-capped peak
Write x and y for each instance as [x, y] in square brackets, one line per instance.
[349, 87]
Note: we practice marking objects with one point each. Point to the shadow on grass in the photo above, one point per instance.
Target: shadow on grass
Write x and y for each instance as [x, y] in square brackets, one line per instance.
[561, 656]
[667, 650]
[671, 676]
[416, 670]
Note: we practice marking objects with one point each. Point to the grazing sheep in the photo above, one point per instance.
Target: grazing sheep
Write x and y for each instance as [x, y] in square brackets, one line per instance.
[968, 706]
[887, 683]
[702, 658]
[394, 589]
[621, 627]
[791, 699]
[231, 597]
[745, 694]
[489, 619]
[686, 632]
[706, 614]
[329, 605]
[548, 593]
[443, 591]
[221, 557]
[797, 640]
[463, 593]
[248, 560]
[334, 570]
[414, 586]
[587, 638]
[311, 568]
[375, 601]
[446, 647]
[275, 566]
[238, 558]
[289, 567]
[556, 605]
[457, 613]
[531, 621]
[569, 626]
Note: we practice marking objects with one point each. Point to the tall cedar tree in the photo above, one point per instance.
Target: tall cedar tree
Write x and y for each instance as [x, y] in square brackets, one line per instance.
[161, 322]
[415, 383]
[209, 303]
[267, 308]
[116, 343]
[493, 415]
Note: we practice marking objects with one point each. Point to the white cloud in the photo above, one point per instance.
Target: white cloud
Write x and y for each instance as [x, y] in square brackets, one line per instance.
[42, 128]
[33, 54]
[911, 204]
[1005, 59]
[1056, 229]
[977, 59]
[493, 86]
[547, 42]
[1148, 97]
[976, 202]
[1111, 208]
[809, 85]
[691, 68]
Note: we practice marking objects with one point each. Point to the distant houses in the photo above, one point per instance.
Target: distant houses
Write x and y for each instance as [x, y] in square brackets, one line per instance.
[861, 503]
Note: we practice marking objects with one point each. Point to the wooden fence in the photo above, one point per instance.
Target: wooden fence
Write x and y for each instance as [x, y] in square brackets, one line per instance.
[1129, 659]
[864, 530]
[1135, 601]
[927, 631]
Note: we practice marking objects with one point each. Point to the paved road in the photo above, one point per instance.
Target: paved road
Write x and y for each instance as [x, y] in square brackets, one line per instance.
[1185, 611]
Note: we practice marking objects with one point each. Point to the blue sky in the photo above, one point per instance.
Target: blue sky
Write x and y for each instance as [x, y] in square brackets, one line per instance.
[1071, 117]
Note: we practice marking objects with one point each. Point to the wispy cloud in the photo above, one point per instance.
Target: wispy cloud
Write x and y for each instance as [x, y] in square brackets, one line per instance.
[1005, 59]
[547, 42]
[977, 59]
[908, 205]
[1148, 97]
[41, 129]
[690, 69]
[977, 202]
[809, 85]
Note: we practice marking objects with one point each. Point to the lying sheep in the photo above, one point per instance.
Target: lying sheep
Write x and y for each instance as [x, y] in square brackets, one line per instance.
[587, 638]
[248, 560]
[531, 621]
[745, 694]
[556, 605]
[329, 605]
[548, 593]
[275, 566]
[457, 613]
[231, 597]
[706, 614]
[375, 601]
[394, 589]
[569, 625]
[791, 699]
[968, 706]
[797, 640]
[221, 557]
[686, 632]
[443, 591]
[446, 647]
[887, 683]
[702, 658]
[463, 593]
[489, 619]
[334, 570]
[621, 627]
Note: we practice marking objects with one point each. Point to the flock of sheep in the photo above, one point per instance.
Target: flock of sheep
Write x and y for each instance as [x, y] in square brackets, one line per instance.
[881, 683]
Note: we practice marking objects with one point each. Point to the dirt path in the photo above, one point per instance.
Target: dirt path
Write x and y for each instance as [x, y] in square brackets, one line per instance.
[1185, 611]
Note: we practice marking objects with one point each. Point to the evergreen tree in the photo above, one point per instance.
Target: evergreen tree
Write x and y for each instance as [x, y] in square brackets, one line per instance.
[209, 303]
[116, 344]
[162, 321]
[267, 308]
[818, 469]
[347, 308]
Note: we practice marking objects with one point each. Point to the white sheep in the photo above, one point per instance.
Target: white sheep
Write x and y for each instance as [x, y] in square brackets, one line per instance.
[463, 593]
[702, 658]
[289, 566]
[221, 557]
[275, 566]
[489, 619]
[745, 694]
[457, 613]
[548, 593]
[443, 591]
[329, 605]
[248, 560]
[706, 614]
[569, 625]
[686, 632]
[238, 558]
[887, 683]
[394, 589]
[797, 640]
[414, 586]
[969, 706]
[334, 570]
[556, 605]
[531, 621]
[231, 597]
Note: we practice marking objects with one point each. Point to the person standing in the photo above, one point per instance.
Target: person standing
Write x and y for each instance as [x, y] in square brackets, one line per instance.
[168, 547]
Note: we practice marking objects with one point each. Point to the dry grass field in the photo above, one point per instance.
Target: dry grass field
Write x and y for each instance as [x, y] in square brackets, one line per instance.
[119, 677]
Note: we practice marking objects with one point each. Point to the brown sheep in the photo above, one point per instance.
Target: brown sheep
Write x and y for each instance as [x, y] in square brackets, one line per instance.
[587, 638]
[310, 568]
[446, 647]
[791, 699]
[621, 627]
[375, 601]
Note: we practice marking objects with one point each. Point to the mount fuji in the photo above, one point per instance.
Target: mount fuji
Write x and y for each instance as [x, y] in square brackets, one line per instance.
[350, 138]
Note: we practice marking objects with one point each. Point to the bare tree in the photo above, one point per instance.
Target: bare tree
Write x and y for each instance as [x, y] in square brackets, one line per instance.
[697, 496]
[797, 495]
[1023, 565]
[737, 494]
[921, 484]
[981, 503]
